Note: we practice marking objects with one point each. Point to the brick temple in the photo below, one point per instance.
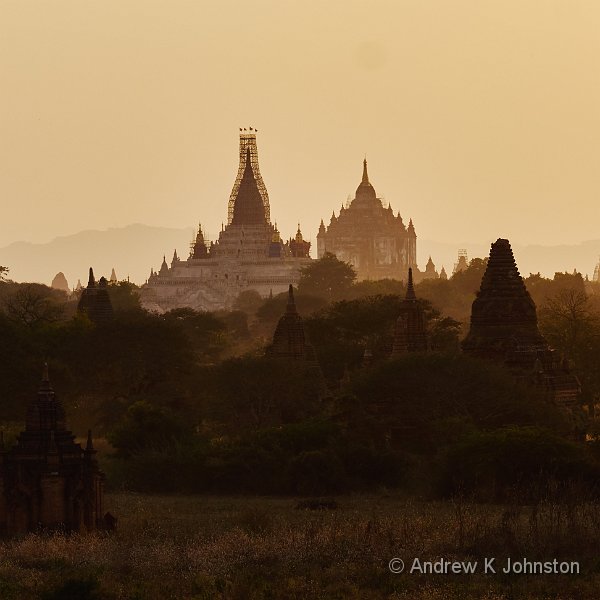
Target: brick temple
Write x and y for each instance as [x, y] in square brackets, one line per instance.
[504, 328]
[47, 480]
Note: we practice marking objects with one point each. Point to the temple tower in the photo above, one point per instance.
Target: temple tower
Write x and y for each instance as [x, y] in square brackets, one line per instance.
[503, 316]
[198, 249]
[47, 480]
[410, 334]
[504, 328]
[248, 254]
[95, 301]
[462, 262]
[249, 181]
[369, 236]
[289, 340]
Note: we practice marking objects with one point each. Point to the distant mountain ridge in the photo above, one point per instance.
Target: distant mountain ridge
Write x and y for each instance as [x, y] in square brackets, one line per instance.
[132, 250]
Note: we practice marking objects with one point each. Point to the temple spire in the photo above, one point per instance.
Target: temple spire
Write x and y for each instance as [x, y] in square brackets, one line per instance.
[249, 200]
[91, 280]
[410, 334]
[45, 374]
[365, 176]
[291, 303]
[410, 290]
[89, 446]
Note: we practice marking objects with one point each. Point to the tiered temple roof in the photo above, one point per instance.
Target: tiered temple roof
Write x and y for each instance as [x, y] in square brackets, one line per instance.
[503, 316]
[369, 236]
[198, 249]
[504, 327]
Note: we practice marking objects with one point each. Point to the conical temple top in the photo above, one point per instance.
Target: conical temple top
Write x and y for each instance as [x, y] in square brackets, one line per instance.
[91, 280]
[365, 176]
[365, 191]
[501, 275]
[248, 208]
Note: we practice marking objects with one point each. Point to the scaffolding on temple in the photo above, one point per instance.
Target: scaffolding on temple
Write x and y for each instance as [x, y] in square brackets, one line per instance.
[248, 140]
[462, 263]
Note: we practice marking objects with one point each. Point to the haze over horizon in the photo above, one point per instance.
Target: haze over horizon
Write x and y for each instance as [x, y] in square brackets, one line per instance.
[478, 120]
[134, 249]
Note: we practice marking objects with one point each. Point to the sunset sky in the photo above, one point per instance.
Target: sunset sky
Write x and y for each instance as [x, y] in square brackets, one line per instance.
[479, 119]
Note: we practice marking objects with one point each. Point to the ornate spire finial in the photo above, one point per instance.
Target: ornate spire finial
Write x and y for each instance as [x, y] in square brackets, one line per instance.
[89, 446]
[91, 280]
[45, 374]
[365, 177]
[410, 290]
[291, 304]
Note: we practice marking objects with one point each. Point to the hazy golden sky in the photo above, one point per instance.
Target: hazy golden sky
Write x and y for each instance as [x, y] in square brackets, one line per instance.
[479, 119]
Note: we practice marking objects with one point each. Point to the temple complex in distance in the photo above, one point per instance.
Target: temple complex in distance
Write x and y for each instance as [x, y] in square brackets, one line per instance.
[47, 481]
[504, 328]
[370, 237]
[248, 255]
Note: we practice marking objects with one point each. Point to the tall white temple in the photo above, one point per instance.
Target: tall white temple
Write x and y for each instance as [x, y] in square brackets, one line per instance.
[248, 255]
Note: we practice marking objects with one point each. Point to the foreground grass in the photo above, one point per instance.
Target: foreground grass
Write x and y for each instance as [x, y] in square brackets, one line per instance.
[220, 547]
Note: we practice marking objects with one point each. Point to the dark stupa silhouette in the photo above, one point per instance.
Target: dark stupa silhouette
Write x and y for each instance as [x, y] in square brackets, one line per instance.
[410, 334]
[95, 301]
[504, 327]
[289, 340]
[503, 316]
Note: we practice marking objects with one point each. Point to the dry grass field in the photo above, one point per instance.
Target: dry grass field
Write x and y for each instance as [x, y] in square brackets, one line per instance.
[231, 547]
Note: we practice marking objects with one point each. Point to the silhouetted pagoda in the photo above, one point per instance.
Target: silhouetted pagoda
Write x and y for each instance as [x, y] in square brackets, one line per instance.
[504, 327]
[47, 480]
[289, 339]
[503, 316]
[95, 301]
[410, 334]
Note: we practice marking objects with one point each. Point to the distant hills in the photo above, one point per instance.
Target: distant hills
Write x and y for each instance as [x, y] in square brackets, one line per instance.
[133, 249]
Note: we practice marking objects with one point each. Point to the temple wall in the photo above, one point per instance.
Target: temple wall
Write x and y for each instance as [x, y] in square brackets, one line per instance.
[52, 503]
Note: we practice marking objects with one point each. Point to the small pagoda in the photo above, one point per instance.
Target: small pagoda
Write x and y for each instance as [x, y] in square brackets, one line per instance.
[95, 301]
[289, 340]
[47, 480]
[410, 334]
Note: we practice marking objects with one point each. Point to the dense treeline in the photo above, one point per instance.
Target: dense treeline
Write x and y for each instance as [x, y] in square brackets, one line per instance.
[189, 402]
